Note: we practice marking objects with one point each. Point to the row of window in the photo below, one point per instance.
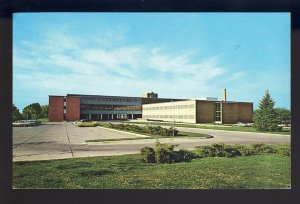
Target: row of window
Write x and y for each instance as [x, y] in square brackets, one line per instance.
[174, 107]
[110, 99]
[170, 116]
[110, 107]
[218, 106]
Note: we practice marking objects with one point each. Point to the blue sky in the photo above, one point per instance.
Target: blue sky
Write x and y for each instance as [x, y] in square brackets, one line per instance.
[177, 55]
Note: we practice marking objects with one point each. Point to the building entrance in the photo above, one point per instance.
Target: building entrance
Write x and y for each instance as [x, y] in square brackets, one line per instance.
[218, 113]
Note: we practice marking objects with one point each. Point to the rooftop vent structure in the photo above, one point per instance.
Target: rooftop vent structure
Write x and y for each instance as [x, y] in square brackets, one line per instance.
[150, 95]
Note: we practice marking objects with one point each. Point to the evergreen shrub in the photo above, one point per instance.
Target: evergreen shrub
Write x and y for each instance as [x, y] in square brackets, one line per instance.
[148, 154]
[151, 130]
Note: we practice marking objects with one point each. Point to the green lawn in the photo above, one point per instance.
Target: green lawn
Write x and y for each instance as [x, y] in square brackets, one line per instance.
[130, 172]
[44, 119]
[212, 126]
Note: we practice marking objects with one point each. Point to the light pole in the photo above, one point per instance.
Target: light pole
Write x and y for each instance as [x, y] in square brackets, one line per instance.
[173, 126]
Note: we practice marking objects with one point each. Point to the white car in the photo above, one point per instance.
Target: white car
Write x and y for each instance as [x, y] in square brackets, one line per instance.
[22, 123]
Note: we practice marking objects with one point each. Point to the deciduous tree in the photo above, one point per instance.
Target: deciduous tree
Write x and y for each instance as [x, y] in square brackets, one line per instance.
[44, 111]
[283, 114]
[16, 115]
[32, 111]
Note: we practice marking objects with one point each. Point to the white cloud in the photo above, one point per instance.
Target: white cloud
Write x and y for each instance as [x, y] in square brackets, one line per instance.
[64, 64]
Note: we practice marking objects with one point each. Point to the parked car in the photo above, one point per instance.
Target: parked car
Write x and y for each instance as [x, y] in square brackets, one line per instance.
[86, 123]
[22, 123]
[240, 124]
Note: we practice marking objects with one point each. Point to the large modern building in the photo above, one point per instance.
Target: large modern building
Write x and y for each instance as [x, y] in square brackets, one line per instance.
[199, 111]
[96, 107]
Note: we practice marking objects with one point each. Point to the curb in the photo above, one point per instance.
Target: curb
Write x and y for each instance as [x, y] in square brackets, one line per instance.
[135, 134]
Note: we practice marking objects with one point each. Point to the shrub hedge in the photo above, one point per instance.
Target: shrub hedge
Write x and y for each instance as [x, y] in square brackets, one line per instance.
[151, 130]
[148, 154]
[222, 150]
[165, 153]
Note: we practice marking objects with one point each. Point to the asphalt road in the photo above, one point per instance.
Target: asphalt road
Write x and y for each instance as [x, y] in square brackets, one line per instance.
[64, 140]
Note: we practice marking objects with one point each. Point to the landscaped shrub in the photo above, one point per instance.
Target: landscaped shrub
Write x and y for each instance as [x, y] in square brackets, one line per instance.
[214, 150]
[244, 150]
[284, 150]
[183, 155]
[164, 153]
[148, 154]
[151, 130]
[220, 150]
[198, 151]
[260, 148]
[231, 151]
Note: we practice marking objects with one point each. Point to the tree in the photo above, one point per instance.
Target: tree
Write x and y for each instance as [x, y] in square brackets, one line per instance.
[283, 114]
[16, 115]
[265, 118]
[44, 113]
[32, 111]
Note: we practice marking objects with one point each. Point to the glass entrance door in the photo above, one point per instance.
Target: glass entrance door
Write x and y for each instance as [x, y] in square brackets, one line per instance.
[218, 112]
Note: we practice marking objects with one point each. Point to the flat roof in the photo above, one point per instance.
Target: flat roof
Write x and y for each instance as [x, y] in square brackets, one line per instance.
[197, 100]
[121, 96]
[86, 95]
[56, 96]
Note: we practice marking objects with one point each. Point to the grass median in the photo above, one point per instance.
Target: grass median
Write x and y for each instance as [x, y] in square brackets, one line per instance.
[130, 172]
[212, 127]
[181, 134]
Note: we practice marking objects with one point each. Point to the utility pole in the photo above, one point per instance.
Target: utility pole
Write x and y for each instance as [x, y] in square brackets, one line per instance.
[173, 126]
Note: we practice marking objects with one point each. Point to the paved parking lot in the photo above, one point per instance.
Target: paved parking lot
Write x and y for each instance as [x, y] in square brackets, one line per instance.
[65, 140]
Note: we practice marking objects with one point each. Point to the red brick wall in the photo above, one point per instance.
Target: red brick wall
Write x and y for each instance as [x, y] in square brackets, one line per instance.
[205, 112]
[237, 112]
[73, 108]
[245, 112]
[230, 112]
[56, 108]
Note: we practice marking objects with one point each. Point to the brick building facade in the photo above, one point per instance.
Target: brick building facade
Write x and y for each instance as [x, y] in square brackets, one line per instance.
[200, 111]
[96, 107]
[56, 108]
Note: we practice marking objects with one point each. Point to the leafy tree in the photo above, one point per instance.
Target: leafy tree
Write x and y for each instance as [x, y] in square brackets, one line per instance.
[265, 118]
[32, 111]
[16, 115]
[283, 114]
[44, 113]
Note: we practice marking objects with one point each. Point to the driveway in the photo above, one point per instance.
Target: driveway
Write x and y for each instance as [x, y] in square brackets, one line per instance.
[64, 140]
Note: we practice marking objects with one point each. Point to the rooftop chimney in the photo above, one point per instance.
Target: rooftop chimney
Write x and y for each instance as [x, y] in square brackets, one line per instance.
[225, 95]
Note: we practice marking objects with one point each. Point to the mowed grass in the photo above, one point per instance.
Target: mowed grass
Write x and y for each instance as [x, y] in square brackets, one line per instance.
[44, 119]
[130, 172]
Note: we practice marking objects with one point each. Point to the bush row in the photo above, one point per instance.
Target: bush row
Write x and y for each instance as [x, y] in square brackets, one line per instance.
[165, 153]
[152, 130]
[222, 150]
